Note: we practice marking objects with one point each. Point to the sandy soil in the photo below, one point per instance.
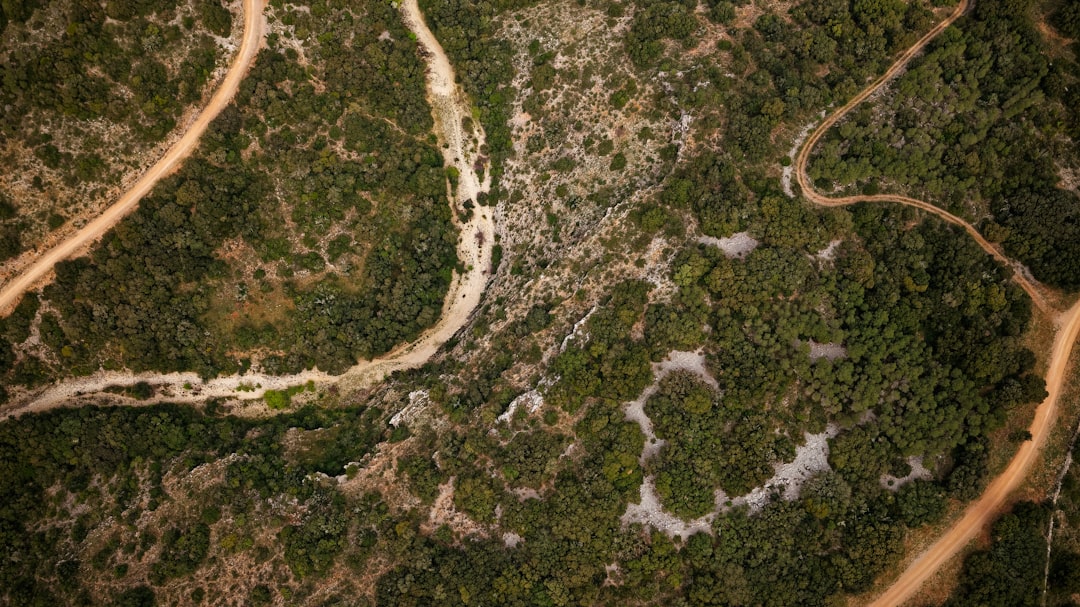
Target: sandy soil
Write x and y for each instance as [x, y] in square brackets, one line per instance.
[254, 26]
[982, 511]
[477, 236]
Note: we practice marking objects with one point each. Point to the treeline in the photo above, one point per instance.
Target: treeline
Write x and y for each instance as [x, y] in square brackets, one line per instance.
[975, 125]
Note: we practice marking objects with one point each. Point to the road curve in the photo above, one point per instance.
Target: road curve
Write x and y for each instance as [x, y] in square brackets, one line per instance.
[979, 513]
[814, 196]
[254, 26]
[460, 149]
[983, 510]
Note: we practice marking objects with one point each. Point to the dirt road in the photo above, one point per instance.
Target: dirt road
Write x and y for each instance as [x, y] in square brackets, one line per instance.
[983, 510]
[254, 26]
[1019, 273]
[980, 512]
[477, 237]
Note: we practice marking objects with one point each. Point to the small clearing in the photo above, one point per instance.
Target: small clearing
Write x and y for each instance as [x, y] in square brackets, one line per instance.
[736, 246]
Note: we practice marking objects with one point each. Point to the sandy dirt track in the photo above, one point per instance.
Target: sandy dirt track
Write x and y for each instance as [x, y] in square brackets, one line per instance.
[476, 239]
[986, 508]
[254, 26]
[983, 510]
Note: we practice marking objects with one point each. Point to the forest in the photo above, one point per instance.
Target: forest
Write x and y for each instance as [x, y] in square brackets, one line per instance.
[335, 199]
[312, 228]
[980, 124]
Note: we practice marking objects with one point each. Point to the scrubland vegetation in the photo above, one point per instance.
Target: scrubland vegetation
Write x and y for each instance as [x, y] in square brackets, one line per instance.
[89, 89]
[312, 228]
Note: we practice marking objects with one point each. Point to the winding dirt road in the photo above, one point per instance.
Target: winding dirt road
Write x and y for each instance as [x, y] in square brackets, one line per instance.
[254, 26]
[1019, 273]
[476, 239]
[979, 513]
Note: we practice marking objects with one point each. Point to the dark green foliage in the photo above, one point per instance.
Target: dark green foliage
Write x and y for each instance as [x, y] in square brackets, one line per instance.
[711, 444]
[673, 327]
[477, 494]
[215, 17]
[608, 365]
[183, 550]
[70, 447]
[653, 22]
[710, 187]
[424, 477]
[260, 595]
[1010, 573]
[975, 115]
[928, 326]
[1065, 572]
[969, 474]
[311, 546]
[10, 244]
[530, 458]
[15, 10]
[1045, 228]
[568, 537]
[919, 503]
[329, 450]
[139, 596]
[7, 210]
[1067, 19]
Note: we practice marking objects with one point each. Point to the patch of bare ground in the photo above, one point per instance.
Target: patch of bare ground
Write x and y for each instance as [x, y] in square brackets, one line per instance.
[1056, 44]
[1070, 179]
[569, 137]
[39, 191]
